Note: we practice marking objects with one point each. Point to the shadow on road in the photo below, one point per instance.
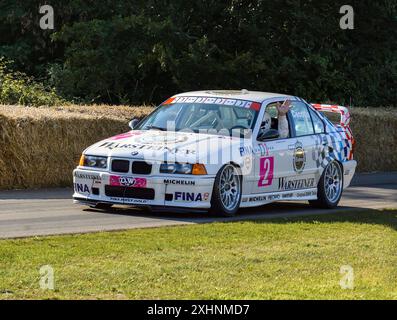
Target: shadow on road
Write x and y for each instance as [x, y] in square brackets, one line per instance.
[273, 210]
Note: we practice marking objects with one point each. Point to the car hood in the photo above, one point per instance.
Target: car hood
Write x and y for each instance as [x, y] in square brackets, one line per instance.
[167, 146]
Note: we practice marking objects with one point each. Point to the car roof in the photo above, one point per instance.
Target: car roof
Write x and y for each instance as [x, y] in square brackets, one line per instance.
[255, 96]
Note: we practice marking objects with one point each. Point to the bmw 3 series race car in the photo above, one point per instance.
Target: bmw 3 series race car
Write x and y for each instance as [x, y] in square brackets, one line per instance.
[209, 150]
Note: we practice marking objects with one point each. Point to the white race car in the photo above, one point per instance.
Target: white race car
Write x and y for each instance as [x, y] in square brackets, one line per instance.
[209, 150]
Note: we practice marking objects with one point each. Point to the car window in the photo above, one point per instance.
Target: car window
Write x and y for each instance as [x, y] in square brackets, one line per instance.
[317, 122]
[242, 117]
[199, 117]
[302, 122]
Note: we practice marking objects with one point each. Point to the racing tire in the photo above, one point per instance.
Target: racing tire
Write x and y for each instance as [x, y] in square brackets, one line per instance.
[330, 187]
[227, 191]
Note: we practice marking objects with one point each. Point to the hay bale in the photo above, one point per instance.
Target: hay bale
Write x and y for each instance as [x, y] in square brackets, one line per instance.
[39, 147]
[375, 131]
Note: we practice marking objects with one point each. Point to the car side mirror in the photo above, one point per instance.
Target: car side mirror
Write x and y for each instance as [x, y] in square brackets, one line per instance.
[133, 123]
[268, 135]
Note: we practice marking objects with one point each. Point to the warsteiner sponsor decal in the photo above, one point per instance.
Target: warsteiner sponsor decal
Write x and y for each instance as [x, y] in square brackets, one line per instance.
[88, 176]
[137, 146]
[122, 181]
[299, 159]
[286, 184]
[180, 182]
[191, 196]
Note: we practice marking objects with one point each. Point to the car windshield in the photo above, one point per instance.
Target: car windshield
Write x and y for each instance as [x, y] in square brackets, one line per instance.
[200, 118]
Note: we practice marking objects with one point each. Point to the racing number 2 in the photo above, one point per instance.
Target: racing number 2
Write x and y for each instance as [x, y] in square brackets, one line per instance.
[266, 169]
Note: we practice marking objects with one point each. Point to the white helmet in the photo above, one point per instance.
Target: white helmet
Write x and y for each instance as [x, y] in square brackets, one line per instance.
[267, 122]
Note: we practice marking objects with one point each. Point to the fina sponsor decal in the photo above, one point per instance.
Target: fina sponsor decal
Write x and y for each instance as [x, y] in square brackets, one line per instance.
[260, 149]
[191, 196]
[299, 159]
[121, 181]
[81, 188]
[180, 182]
[286, 184]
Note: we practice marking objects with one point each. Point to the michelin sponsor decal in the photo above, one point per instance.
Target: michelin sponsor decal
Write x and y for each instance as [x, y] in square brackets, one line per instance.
[270, 197]
[180, 182]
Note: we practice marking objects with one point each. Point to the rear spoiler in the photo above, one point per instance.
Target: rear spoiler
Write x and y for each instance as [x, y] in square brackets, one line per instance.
[343, 111]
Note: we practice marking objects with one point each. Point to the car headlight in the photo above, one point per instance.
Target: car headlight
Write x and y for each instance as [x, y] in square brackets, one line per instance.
[183, 168]
[93, 162]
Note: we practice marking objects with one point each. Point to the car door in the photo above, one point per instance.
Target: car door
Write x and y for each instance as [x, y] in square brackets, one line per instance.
[304, 171]
[272, 159]
[287, 164]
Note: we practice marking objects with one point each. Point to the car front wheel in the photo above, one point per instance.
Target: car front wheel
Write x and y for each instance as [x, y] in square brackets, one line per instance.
[226, 195]
[330, 187]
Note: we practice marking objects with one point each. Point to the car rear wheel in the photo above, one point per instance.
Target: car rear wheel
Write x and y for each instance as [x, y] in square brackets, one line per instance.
[226, 194]
[330, 187]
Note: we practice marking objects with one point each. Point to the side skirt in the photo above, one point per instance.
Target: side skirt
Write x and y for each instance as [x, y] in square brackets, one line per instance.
[254, 200]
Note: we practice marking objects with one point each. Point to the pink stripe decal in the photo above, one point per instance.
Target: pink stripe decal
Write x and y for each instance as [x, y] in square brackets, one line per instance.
[125, 135]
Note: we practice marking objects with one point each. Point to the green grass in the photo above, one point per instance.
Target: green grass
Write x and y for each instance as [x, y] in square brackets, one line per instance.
[297, 258]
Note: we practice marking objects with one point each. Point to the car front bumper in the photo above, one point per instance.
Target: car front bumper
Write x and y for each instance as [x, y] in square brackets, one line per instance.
[184, 191]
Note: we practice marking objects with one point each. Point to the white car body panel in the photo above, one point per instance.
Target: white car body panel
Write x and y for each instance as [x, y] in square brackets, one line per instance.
[275, 170]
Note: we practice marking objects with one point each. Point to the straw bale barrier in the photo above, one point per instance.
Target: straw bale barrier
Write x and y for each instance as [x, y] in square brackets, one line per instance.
[39, 147]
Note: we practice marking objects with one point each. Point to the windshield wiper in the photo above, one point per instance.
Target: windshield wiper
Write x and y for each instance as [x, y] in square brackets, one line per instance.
[157, 128]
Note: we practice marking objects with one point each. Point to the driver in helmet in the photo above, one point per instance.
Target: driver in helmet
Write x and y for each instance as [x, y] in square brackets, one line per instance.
[282, 122]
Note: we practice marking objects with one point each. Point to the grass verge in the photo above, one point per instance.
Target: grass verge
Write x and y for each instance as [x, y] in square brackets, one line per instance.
[294, 258]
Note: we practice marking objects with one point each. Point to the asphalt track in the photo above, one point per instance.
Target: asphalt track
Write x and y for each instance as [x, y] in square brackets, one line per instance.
[26, 213]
